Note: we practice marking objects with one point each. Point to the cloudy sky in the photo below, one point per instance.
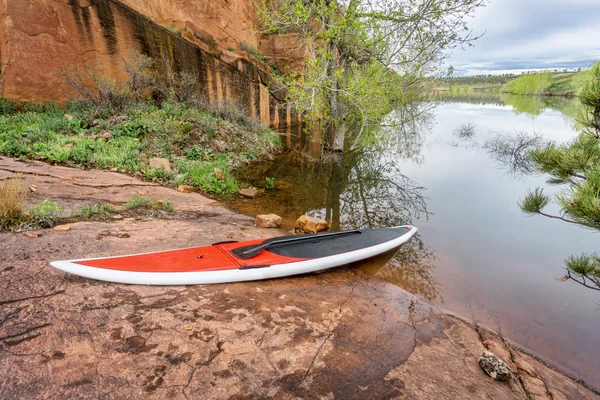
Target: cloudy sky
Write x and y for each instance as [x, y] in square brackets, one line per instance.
[531, 34]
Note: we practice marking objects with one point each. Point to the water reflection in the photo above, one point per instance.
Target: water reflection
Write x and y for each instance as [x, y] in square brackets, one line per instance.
[511, 151]
[365, 189]
[491, 262]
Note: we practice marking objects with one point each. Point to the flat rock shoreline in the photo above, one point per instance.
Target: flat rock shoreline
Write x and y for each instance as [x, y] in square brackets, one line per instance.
[334, 335]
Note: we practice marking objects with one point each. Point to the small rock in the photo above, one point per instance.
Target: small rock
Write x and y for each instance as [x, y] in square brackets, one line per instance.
[250, 193]
[230, 234]
[32, 234]
[160, 163]
[69, 145]
[268, 221]
[242, 234]
[123, 235]
[68, 117]
[106, 135]
[219, 174]
[282, 185]
[185, 189]
[34, 188]
[307, 224]
[188, 327]
[494, 366]
[117, 216]
[114, 170]
[62, 228]
[159, 203]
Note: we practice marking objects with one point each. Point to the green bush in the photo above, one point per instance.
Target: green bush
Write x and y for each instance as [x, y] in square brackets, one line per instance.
[139, 202]
[45, 214]
[91, 211]
[157, 175]
[200, 174]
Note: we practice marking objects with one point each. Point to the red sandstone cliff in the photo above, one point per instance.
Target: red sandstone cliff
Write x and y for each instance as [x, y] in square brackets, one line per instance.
[39, 38]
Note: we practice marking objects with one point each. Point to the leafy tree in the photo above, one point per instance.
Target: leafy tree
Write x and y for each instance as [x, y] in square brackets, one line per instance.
[577, 166]
[365, 58]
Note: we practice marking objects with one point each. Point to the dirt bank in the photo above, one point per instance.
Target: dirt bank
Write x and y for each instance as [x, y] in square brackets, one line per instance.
[335, 335]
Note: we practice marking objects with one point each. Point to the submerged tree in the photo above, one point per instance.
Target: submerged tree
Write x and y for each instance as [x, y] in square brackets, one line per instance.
[365, 58]
[577, 166]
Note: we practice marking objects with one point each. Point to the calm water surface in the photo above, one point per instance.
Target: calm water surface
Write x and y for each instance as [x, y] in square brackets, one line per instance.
[479, 255]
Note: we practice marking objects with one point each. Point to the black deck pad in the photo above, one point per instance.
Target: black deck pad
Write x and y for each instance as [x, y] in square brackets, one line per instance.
[320, 246]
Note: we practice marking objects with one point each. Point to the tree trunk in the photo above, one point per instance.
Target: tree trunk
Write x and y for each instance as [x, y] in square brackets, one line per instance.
[339, 115]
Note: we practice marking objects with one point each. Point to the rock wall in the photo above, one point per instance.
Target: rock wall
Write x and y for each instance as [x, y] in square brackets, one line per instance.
[39, 38]
[228, 22]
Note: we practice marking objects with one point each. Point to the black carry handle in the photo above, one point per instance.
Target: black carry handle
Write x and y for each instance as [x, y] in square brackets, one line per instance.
[252, 251]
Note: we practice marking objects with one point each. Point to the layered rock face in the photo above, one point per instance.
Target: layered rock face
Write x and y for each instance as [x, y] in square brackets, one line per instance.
[228, 22]
[39, 38]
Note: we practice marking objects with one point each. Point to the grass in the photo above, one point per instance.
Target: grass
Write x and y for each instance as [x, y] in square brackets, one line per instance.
[115, 125]
[530, 84]
[13, 213]
[140, 202]
[200, 174]
[12, 203]
[567, 84]
[94, 211]
[194, 138]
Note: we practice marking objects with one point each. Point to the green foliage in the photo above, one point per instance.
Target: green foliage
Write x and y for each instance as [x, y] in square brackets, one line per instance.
[157, 175]
[534, 201]
[365, 59]
[45, 214]
[270, 183]
[231, 48]
[530, 84]
[576, 165]
[114, 126]
[590, 99]
[94, 211]
[584, 269]
[139, 202]
[200, 174]
[165, 205]
[7, 107]
[478, 80]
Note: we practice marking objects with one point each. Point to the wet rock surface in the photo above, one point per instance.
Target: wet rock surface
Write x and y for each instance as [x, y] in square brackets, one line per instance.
[336, 334]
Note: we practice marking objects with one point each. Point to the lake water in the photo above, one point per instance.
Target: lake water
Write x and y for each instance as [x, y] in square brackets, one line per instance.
[479, 255]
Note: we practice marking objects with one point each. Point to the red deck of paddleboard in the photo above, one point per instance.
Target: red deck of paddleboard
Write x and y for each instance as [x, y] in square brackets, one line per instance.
[207, 258]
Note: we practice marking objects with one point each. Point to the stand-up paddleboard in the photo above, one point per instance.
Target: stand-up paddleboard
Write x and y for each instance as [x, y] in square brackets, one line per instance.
[242, 261]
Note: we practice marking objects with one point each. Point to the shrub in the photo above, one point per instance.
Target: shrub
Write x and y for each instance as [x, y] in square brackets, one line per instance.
[200, 173]
[97, 210]
[45, 214]
[139, 202]
[270, 183]
[12, 203]
[157, 175]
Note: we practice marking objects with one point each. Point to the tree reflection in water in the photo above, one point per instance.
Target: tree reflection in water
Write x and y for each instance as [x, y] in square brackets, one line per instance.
[362, 189]
[368, 190]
